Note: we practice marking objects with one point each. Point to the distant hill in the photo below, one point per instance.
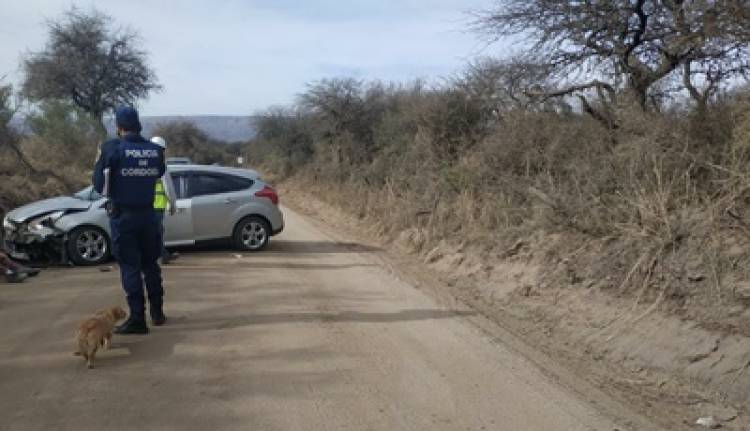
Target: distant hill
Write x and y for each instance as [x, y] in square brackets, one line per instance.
[220, 127]
[228, 128]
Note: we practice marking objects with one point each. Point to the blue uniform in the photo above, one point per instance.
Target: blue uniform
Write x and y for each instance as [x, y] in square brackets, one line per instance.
[134, 164]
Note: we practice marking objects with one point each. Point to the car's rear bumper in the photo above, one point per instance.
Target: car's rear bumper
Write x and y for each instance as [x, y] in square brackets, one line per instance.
[276, 219]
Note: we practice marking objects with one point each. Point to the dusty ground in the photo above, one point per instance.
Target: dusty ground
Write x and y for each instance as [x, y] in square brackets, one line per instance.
[312, 334]
[669, 369]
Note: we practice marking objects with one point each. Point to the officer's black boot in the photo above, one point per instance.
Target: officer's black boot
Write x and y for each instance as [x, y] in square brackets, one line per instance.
[157, 316]
[134, 325]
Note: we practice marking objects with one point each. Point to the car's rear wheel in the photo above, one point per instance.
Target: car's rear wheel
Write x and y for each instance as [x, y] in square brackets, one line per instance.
[88, 245]
[252, 234]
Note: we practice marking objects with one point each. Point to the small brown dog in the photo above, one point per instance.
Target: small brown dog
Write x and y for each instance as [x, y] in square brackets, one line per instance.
[96, 332]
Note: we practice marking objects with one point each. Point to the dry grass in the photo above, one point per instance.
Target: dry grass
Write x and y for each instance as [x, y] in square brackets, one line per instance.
[654, 210]
[61, 151]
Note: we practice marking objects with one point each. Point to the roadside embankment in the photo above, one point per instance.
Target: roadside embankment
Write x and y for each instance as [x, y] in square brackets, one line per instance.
[640, 347]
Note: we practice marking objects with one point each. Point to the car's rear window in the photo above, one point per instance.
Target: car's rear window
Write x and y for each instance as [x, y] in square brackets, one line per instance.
[212, 183]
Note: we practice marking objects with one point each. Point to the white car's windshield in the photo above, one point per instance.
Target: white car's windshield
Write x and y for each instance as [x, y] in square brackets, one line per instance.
[88, 194]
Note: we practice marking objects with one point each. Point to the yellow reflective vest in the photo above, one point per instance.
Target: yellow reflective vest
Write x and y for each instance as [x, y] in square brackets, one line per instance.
[160, 197]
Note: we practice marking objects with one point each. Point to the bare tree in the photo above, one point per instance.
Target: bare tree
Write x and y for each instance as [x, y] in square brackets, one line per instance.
[7, 110]
[338, 100]
[617, 46]
[288, 130]
[724, 57]
[90, 63]
[505, 84]
[343, 114]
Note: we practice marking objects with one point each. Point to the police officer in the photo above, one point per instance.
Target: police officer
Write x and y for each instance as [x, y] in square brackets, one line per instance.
[130, 166]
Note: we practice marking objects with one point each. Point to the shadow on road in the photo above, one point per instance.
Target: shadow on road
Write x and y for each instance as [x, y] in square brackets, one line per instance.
[288, 248]
[296, 246]
[248, 264]
[142, 348]
[282, 246]
[187, 324]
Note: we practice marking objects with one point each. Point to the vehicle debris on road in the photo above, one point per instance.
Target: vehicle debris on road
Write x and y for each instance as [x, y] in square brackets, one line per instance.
[708, 422]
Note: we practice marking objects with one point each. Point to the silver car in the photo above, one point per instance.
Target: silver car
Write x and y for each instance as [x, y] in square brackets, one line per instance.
[214, 203]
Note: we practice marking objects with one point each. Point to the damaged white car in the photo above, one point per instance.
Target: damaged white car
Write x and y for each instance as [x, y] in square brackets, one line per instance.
[66, 228]
[214, 203]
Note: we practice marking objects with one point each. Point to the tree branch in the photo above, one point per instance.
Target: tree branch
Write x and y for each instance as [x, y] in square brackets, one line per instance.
[577, 88]
[639, 32]
[688, 83]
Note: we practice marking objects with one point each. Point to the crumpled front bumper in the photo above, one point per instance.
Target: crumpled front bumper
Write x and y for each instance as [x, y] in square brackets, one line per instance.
[41, 245]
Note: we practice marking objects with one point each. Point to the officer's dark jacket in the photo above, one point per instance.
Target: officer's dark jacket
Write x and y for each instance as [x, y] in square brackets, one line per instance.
[134, 164]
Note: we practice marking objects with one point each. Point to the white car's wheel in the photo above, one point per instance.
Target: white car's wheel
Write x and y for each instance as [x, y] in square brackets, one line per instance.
[88, 245]
[252, 234]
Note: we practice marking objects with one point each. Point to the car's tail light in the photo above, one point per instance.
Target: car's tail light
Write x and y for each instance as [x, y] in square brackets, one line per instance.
[269, 193]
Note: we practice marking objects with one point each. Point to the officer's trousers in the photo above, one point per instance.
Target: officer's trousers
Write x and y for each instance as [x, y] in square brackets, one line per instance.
[136, 243]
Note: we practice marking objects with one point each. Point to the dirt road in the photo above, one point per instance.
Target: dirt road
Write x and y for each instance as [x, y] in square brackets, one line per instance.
[313, 334]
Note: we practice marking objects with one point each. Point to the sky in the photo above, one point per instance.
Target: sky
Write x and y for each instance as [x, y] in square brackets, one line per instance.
[237, 57]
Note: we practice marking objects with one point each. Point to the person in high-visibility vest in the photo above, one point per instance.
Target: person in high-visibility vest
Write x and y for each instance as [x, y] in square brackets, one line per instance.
[165, 199]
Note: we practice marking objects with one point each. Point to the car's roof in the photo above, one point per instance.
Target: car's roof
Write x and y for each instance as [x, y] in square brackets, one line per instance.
[216, 169]
[178, 161]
